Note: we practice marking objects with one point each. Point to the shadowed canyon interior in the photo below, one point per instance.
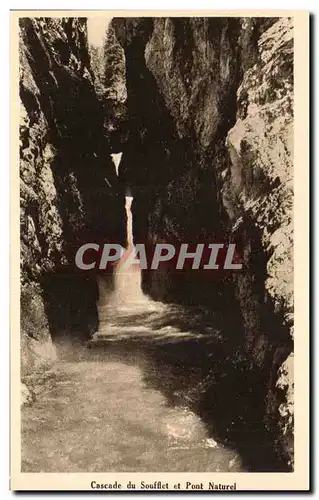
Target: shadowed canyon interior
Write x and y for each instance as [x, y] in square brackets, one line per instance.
[159, 130]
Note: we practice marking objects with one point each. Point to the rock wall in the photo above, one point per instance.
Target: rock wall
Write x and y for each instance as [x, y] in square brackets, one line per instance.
[69, 190]
[108, 66]
[210, 158]
[206, 135]
[258, 193]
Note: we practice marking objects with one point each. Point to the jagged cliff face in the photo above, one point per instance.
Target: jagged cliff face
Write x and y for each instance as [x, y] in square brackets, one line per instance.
[69, 189]
[258, 192]
[210, 157]
[182, 76]
[206, 135]
[108, 66]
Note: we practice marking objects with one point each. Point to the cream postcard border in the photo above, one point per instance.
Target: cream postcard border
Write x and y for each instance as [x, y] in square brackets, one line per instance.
[297, 480]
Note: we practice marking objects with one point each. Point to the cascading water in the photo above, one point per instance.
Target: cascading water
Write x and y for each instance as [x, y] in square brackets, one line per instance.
[127, 278]
[126, 297]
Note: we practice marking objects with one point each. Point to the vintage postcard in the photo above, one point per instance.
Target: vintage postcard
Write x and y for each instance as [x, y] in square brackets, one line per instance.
[159, 233]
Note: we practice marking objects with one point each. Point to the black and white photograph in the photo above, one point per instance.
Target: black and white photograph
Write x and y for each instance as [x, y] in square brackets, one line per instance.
[155, 282]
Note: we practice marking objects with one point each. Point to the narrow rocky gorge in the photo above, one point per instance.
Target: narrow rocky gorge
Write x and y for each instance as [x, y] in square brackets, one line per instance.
[202, 111]
[69, 189]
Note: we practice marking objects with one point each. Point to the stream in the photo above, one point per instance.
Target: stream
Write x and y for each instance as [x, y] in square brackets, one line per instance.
[157, 389]
[123, 405]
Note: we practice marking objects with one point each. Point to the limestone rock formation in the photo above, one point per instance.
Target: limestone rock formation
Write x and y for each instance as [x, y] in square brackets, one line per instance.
[206, 133]
[68, 184]
[210, 154]
[258, 189]
[108, 67]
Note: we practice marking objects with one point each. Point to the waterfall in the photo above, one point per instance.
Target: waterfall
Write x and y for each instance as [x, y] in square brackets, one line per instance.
[127, 280]
[127, 290]
[117, 307]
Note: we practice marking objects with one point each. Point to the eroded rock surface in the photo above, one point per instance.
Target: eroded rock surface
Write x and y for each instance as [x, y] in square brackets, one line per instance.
[210, 154]
[258, 190]
[68, 184]
[208, 157]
